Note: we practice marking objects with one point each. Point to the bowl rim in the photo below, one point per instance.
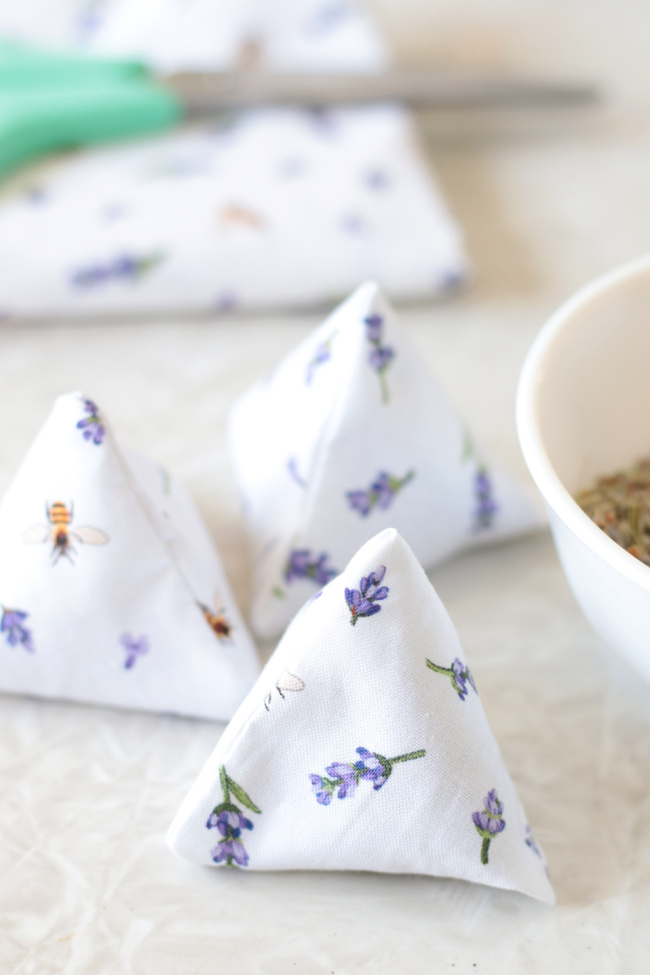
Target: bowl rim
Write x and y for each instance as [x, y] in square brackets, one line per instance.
[556, 496]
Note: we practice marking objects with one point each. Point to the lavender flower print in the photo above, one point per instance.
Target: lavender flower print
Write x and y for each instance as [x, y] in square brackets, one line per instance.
[322, 354]
[294, 473]
[12, 627]
[363, 601]
[229, 820]
[380, 356]
[380, 494]
[531, 844]
[125, 267]
[91, 424]
[134, 649]
[305, 564]
[459, 674]
[489, 822]
[343, 778]
[485, 506]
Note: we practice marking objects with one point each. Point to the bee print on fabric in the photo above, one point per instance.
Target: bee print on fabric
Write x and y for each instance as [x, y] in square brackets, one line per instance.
[217, 620]
[288, 682]
[61, 534]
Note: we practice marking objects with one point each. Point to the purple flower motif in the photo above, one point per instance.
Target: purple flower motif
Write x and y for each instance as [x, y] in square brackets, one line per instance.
[12, 626]
[360, 501]
[323, 794]
[124, 267]
[292, 467]
[230, 821]
[486, 507]
[303, 564]
[353, 223]
[531, 844]
[92, 426]
[372, 768]
[376, 179]
[363, 601]
[374, 325]
[489, 822]
[226, 302]
[380, 356]
[229, 850]
[345, 777]
[134, 649]
[322, 354]
[380, 494]
[328, 17]
[460, 676]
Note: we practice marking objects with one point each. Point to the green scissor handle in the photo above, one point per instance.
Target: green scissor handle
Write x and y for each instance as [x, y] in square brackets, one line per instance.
[52, 101]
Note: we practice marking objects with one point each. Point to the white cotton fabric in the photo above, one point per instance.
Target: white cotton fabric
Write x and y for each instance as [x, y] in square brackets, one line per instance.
[312, 439]
[272, 208]
[265, 208]
[142, 569]
[365, 685]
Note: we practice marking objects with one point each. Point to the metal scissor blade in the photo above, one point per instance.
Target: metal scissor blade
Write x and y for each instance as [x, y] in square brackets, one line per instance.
[206, 91]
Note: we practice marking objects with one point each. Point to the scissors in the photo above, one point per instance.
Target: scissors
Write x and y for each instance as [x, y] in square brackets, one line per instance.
[51, 101]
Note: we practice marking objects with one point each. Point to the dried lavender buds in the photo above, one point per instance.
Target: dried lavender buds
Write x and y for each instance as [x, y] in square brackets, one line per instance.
[620, 506]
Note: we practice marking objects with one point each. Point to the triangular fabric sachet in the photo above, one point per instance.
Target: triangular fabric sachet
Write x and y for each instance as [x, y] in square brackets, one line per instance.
[364, 746]
[111, 590]
[349, 435]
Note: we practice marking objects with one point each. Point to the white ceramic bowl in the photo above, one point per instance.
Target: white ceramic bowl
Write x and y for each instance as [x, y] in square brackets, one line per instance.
[583, 410]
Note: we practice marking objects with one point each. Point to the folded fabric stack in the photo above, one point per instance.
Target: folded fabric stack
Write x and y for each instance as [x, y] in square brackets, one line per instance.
[274, 207]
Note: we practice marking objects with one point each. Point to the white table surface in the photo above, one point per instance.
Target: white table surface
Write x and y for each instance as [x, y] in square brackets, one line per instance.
[87, 886]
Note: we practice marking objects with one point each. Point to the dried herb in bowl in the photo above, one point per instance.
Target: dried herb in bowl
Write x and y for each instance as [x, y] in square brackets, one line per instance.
[620, 506]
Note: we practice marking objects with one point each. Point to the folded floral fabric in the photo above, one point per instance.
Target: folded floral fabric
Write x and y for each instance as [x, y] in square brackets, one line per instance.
[208, 35]
[364, 746]
[286, 35]
[351, 434]
[111, 590]
[266, 208]
[274, 208]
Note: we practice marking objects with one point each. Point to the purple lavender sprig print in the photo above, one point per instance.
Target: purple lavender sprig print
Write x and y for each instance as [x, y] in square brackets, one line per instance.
[380, 356]
[486, 507]
[125, 267]
[12, 627]
[343, 778]
[294, 473]
[322, 354]
[364, 600]
[229, 820]
[134, 649]
[459, 674]
[305, 564]
[489, 822]
[531, 843]
[91, 424]
[380, 494]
